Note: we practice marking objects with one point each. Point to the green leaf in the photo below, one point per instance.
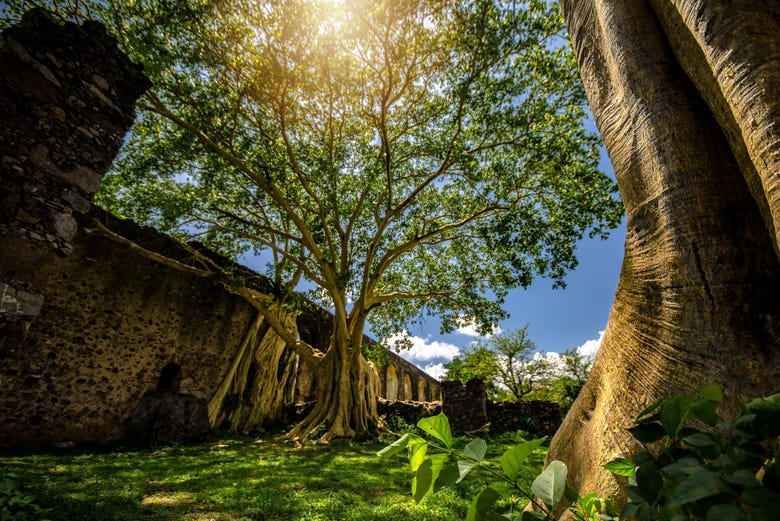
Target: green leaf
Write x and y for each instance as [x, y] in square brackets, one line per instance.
[551, 483]
[532, 516]
[513, 459]
[712, 393]
[700, 439]
[649, 481]
[672, 415]
[448, 476]
[476, 449]
[417, 455]
[395, 447]
[695, 487]
[464, 467]
[439, 427]
[703, 410]
[621, 467]
[480, 505]
[650, 408]
[423, 480]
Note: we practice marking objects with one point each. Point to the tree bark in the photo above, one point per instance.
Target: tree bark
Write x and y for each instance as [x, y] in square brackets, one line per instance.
[347, 389]
[685, 95]
[253, 392]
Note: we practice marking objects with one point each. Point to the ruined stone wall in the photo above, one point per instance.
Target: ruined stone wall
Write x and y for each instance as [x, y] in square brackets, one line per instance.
[110, 322]
[468, 409]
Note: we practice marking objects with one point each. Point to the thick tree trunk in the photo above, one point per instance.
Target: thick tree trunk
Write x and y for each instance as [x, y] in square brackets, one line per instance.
[347, 389]
[696, 160]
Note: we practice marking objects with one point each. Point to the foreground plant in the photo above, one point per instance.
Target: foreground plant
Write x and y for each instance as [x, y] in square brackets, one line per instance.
[445, 466]
[696, 466]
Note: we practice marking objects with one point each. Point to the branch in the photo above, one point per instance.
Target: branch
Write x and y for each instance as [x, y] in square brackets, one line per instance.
[148, 254]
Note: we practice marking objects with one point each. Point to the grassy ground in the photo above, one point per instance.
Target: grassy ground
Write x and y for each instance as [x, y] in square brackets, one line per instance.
[239, 479]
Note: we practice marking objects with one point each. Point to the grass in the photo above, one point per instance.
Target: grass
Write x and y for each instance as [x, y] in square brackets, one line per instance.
[242, 479]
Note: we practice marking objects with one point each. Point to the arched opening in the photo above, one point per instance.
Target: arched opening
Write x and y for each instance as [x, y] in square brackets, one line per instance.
[391, 379]
[170, 378]
[422, 388]
[407, 392]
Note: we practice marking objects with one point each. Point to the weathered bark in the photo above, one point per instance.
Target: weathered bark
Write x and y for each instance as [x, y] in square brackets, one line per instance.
[347, 391]
[253, 392]
[696, 160]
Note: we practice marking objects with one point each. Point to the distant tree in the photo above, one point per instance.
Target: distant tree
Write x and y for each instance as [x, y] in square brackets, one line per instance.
[508, 363]
[567, 377]
[475, 362]
[405, 158]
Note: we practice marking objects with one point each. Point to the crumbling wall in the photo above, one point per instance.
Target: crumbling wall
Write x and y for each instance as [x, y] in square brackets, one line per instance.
[468, 409]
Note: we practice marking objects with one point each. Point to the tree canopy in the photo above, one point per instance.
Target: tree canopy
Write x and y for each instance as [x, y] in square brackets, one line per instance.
[403, 158]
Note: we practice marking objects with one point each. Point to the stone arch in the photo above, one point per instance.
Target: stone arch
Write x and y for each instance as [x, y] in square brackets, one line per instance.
[407, 390]
[422, 391]
[170, 378]
[391, 392]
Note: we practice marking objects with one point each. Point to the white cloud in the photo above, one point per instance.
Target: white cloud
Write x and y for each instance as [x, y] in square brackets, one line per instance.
[590, 347]
[423, 349]
[435, 370]
[467, 327]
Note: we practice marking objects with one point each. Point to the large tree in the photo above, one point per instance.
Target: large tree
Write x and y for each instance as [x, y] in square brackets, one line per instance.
[686, 94]
[404, 158]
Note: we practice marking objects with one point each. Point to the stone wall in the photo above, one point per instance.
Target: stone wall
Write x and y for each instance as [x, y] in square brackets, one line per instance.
[468, 409]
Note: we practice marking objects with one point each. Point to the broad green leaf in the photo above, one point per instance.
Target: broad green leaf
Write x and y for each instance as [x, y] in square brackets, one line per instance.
[448, 476]
[476, 449]
[423, 480]
[480, 505]
[551, 483]
[703, 410]
[532, 516]
[621, 467]
[700, 439]
[464, 467]
[672, 415]
[513, 459]
[439, 427]
[649, 481]
[695, 487]
[395, 447]
[417, 455]
[712, 393]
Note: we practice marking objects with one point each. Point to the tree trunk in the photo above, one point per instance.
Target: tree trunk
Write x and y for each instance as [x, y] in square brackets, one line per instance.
[252, 393]
[347, 389]
[686, 97]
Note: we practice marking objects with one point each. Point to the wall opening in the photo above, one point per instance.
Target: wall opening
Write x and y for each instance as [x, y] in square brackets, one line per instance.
[170, 378]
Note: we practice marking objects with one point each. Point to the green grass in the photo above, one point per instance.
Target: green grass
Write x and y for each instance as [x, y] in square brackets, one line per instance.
[240, 479]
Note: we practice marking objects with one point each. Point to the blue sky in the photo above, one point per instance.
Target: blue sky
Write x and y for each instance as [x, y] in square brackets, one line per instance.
[559, 319]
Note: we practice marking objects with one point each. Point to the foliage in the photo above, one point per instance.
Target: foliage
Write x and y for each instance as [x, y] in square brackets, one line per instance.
[432, 150]
[565, 380]
[697, 467]
[506, 362]
[17, 503]
[437, 465]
